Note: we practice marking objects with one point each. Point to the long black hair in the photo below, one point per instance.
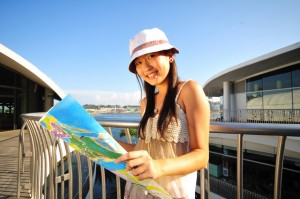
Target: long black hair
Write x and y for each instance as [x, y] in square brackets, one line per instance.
[168, 110]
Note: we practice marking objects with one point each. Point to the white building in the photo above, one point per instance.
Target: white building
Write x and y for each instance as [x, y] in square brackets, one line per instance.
[23, 89]
[263, 90]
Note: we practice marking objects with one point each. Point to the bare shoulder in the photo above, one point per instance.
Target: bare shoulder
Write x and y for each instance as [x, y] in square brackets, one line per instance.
[191, 89]
[144, 100]
[143, 104]
[191, 94]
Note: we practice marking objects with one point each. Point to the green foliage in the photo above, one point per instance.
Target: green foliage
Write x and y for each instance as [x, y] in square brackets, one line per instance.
[90, 106]
[132, 133]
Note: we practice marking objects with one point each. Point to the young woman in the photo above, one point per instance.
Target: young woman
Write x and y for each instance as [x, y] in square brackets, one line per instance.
[174, 130]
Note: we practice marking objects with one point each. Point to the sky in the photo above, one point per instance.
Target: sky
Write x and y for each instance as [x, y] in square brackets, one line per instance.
[83, 46]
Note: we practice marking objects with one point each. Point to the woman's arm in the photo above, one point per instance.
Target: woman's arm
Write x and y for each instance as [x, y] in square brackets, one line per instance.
[128, 147]
[196, 106]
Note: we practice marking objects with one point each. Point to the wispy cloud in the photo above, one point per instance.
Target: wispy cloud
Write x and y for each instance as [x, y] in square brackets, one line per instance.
[105, 97]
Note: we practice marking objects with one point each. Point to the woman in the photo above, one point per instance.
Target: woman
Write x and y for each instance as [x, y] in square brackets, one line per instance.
[174, 130]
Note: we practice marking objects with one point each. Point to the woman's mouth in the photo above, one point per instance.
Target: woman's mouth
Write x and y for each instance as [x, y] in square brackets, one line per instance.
[152, 75]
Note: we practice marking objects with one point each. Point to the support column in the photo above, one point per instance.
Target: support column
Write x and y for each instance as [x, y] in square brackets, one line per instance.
[227, 91]
[49, 99]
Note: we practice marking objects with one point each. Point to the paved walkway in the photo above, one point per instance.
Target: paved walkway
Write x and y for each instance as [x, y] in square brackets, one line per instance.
[9, 165]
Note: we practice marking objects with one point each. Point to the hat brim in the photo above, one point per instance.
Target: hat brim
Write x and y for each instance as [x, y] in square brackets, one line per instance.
[151, 49]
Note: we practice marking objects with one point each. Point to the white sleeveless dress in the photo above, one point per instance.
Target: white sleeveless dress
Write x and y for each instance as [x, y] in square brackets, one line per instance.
[174, 143]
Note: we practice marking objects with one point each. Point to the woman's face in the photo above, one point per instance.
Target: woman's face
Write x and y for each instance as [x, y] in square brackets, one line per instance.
[153, 67]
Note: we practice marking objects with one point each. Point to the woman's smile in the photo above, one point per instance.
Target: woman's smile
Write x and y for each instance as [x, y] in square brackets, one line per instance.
[152, 75]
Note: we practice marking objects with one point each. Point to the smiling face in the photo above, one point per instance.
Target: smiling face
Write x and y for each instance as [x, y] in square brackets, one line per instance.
[154, 67]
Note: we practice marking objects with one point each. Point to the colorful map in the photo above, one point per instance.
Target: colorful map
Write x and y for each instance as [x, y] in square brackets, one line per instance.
[69, 121]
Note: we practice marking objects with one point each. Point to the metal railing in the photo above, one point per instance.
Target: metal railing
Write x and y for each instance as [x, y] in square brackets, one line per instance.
[285, 116]
[53, 164]
[49, 155]
[241, 129]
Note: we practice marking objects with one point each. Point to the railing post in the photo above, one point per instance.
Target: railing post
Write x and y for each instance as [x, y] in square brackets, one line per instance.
[70, 170]
[20, 158]
[204, 183]
[91, 184]
[103, 182]
[279, 167]
[79, 173]
[240, 157]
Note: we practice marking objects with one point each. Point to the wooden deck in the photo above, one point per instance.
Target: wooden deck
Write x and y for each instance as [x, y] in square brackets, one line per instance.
[9, 166]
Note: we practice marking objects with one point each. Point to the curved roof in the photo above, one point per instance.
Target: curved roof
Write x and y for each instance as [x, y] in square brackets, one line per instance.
[265, 63]
[19, 64]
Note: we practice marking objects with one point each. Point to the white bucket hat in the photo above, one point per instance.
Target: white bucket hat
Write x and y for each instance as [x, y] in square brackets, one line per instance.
[148, 41]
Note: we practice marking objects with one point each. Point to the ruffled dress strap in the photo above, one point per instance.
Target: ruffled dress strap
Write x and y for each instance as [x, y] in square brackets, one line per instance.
[180, 89]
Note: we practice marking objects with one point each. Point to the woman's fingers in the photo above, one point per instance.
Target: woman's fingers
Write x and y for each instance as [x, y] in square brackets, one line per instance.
[143, 176]
[144, 171]
[139, 163]
[126, 157]
[134, 163]
[130, 156]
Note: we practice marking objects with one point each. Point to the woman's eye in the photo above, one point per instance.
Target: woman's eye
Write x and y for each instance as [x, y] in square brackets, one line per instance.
[150, 56]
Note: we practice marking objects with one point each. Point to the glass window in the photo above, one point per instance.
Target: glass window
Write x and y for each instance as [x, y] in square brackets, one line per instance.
[254, 85]
[254, 100]
[296, 98]
[296, 78]
[277, 81]
[6, 77]
[277, 99]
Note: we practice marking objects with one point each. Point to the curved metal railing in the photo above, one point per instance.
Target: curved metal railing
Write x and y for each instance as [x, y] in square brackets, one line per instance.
[52, 168]
[52, 163]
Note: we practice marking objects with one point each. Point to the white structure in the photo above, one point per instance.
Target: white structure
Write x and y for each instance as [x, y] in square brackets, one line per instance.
[269, 82]
[263, 90]
[23, 89]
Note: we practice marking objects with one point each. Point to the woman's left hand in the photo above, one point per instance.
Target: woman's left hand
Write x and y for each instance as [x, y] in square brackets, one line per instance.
[140, 164]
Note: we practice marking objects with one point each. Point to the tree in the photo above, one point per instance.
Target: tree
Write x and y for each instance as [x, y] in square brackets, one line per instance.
[132, 133]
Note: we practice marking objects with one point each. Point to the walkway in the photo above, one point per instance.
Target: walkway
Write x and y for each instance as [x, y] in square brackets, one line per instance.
[9, 166]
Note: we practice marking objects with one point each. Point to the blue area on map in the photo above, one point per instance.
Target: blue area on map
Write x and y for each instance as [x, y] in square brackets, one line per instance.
[111, 165]
[79, 118]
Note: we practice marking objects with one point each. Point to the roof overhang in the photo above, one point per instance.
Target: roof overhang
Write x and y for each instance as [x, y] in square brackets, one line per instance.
[13, 61]
[278, 59]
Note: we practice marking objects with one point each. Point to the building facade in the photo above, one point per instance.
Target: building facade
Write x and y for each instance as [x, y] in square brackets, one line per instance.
[23, 89]
[263, 90]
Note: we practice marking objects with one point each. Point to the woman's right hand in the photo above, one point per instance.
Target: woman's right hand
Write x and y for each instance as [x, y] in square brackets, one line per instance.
[140, 164]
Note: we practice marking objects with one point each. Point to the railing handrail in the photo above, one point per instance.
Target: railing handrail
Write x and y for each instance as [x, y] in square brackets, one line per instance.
[287, 116]
[255, 128]
[215, 127]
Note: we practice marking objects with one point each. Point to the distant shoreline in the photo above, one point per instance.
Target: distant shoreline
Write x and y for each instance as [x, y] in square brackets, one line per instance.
[121, 113]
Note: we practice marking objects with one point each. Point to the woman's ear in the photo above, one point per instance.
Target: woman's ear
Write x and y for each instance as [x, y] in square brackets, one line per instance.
[171, 57]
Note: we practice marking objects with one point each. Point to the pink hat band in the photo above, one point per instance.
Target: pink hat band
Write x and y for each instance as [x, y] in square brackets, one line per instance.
[149, 44]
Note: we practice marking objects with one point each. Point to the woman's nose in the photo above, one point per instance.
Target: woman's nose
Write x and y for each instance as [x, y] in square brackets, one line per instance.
[147, 65]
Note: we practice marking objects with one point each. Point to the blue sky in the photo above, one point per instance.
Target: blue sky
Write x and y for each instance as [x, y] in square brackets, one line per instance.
[83, 45]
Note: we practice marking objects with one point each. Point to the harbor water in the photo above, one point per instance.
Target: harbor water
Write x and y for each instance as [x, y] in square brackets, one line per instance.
[118, 117]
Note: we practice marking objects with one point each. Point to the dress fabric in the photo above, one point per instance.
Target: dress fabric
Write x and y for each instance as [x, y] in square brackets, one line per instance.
[174, 143]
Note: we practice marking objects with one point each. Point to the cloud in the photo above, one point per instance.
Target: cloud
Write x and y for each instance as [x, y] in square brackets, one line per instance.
[105, 97]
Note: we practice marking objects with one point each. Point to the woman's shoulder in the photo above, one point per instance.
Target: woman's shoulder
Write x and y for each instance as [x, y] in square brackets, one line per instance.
[143, 103]
[188, 85]
[189, 90]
